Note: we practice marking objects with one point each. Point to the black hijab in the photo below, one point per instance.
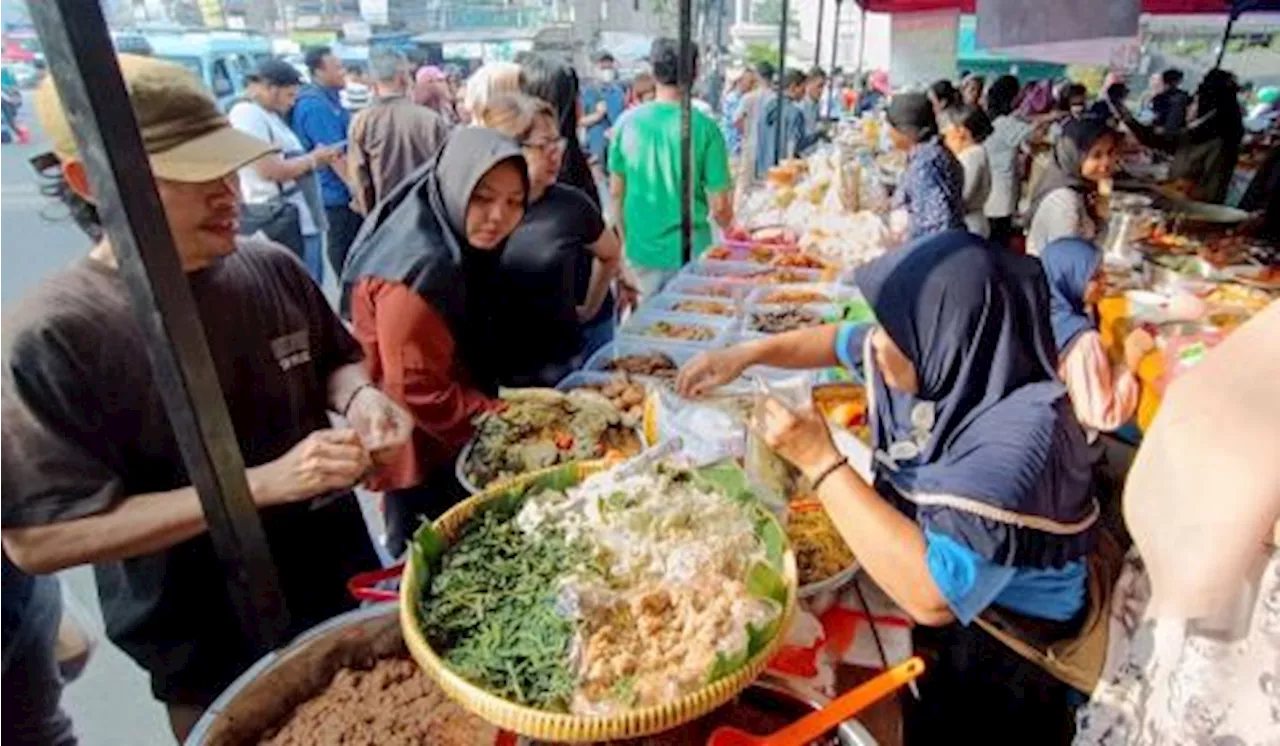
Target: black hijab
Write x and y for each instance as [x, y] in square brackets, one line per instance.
[1069, 151]
[557, 84]
[417, 236]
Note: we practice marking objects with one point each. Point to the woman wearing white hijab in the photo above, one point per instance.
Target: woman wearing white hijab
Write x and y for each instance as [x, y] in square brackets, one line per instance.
[1195, 629]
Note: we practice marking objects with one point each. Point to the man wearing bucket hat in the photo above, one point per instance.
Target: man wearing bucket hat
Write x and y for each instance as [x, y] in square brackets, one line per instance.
[92, 471]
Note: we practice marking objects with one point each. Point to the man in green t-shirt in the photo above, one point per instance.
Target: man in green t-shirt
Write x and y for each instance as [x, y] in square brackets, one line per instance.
[645, 176]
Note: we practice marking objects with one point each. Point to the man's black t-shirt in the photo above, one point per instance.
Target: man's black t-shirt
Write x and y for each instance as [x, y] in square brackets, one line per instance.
[84, 428]
[1170, 109]
[537, 288]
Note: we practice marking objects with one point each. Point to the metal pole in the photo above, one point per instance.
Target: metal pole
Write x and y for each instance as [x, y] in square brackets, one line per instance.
[1226, 36]
[686, 130]
[782, 76]
[835, 43]
[83, 64]
[718, 93]
[817, 44]
[862, 37]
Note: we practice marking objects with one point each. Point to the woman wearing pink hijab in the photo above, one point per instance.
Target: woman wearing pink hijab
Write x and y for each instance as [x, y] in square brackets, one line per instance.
[431, 89]
[1195, 623]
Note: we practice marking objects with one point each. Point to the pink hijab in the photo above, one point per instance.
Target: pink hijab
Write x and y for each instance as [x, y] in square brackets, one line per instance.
[879, 81]
[1203, 497]
[430, 90]
[1038, 99]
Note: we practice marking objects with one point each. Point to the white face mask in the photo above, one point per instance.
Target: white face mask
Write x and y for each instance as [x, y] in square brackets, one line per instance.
[608, 74]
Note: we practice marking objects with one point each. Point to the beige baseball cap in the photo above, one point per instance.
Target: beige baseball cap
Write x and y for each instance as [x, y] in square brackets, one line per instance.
[187, 137]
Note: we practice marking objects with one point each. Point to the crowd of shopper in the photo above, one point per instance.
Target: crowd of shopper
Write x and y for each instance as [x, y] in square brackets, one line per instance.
[474, 249]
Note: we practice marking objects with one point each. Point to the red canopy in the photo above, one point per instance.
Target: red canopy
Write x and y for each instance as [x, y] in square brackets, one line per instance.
[1159, 7]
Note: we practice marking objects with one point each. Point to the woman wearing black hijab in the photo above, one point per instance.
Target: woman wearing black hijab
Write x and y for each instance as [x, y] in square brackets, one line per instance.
[419, 289]
[932, 186]
[1064, 203]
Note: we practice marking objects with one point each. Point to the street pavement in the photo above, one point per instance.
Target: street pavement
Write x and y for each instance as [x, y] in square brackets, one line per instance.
[110, 703]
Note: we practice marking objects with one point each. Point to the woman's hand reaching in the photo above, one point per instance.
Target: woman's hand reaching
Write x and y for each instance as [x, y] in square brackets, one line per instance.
[799, 436]
[711, 370]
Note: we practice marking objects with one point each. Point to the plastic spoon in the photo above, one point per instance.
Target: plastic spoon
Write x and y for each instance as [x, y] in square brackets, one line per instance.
[840, 709]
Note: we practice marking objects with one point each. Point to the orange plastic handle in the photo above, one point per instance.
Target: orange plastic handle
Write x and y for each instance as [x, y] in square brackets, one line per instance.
[847, 705]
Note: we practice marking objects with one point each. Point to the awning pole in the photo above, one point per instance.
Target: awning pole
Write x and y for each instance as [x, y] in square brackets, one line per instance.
[718, 94]
[835, 43]
[781, 84]
[82, 61]
[686, 130]
[1226, 36]
[817, 44]
[862, 37]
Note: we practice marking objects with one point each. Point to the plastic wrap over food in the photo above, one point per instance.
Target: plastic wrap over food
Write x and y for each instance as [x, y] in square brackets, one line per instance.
[775, 479]
[712, 430]
[846, 239]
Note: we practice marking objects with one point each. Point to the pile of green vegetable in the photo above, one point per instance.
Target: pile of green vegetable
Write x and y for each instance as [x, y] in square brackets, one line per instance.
[491, 606]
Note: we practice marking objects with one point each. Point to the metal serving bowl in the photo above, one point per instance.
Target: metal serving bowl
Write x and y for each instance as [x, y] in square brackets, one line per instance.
[264, 695]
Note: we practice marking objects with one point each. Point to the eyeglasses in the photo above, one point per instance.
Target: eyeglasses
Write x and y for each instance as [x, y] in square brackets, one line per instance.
[548, 147]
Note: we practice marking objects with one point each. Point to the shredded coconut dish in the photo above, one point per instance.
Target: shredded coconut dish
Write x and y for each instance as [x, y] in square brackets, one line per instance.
[623, 590]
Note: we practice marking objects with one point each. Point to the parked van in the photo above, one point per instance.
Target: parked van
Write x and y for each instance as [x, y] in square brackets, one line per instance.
[221, 59]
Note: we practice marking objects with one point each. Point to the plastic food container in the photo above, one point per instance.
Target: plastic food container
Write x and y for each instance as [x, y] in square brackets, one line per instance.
[671, 302]
[623, 346]
[641, 321]
[759, 295]
[828, 312]
[742, 251]
[751, 274]
[707, 287]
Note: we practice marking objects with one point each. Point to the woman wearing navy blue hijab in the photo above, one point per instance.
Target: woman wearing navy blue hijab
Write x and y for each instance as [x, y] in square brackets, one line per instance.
[980, 503]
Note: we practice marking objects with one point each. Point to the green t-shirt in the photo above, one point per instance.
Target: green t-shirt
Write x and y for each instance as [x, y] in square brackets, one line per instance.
[646, 154]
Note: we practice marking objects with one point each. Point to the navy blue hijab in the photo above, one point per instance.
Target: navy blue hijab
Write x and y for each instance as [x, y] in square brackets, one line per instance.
[1069, 264]
[992, 454]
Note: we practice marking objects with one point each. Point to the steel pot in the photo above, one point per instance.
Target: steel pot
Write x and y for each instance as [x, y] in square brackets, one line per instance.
[264, 695]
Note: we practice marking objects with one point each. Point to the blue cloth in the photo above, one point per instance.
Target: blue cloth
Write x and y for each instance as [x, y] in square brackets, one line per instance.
[319, 119]
[987, 450]
[732, 137]
[794, 139]
[971, 583]
[932, 190]
[811, 115]
[1069, 264]
[869, 101]
[614, 96]
[30, 682]
[313, 257]
[850, 338]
